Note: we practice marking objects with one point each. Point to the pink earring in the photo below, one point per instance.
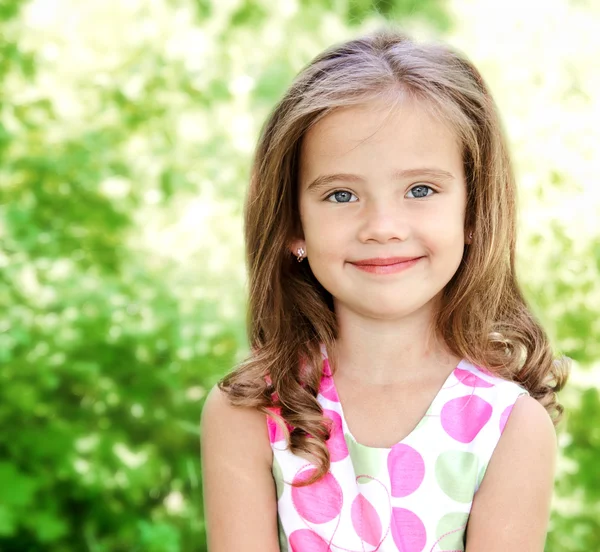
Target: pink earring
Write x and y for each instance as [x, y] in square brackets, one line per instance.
[300, 254]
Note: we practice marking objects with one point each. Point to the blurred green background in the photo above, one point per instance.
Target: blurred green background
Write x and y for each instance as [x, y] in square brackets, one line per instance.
[126, 133]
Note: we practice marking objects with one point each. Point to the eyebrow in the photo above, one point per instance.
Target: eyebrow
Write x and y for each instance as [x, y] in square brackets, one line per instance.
[324, 180]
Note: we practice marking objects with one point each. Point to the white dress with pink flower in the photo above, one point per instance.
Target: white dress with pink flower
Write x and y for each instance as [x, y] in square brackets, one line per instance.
[413, 497]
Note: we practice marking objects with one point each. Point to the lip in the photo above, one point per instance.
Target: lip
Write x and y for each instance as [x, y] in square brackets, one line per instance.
[389, 265]
[385, 261]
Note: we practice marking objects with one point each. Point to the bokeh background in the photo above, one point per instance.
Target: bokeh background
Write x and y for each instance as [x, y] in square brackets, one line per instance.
[126, 134]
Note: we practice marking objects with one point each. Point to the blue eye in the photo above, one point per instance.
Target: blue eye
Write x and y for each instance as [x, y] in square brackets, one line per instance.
[341, 196]
[421, 191]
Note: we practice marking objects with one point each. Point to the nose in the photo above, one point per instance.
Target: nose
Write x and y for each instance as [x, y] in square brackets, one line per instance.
[382, 221]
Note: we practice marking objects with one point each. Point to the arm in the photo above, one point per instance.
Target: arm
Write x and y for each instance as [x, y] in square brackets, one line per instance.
[511, 509]
[240, 501]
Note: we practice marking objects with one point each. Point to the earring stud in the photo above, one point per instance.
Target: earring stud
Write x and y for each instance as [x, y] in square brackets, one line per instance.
[300, 254]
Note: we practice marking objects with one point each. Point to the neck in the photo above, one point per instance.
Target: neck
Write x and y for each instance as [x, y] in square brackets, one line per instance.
[389, 352]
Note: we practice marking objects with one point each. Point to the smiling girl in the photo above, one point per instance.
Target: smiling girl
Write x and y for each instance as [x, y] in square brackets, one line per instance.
[400, 396]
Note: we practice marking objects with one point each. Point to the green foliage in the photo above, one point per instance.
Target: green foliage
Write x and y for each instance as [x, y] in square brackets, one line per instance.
[577, 527]
[100, 399]
[355, 12]
[431, 11]
[9, 9]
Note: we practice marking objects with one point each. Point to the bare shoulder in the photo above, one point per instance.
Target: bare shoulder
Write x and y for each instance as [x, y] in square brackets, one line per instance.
[239, 492]
[234, 425]
[530, 425]
[511, 509]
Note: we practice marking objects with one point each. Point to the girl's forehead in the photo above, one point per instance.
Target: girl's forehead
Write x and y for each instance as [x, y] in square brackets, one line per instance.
[406, 131]
[376, 120]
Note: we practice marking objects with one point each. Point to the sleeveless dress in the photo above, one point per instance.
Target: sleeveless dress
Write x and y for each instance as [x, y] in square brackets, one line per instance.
[413, 497]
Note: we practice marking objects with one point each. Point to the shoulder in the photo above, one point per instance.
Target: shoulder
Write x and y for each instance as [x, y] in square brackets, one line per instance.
[230, 427]
[529, 416]
[529, 432]
[240, 505]
[511, 508]
[528, 440]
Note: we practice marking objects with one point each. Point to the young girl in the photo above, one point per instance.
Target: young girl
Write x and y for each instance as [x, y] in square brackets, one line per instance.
[400, 395]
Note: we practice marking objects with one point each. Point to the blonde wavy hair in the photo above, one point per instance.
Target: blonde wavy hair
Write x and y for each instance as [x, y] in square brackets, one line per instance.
[483, 316]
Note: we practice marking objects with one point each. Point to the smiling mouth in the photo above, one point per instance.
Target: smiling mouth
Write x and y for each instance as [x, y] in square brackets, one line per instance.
[386, 266]
[382, 261]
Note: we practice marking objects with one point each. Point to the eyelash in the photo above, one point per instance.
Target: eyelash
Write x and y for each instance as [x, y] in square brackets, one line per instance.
[417, 186]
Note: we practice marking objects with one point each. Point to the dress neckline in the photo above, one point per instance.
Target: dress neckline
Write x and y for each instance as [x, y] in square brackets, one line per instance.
[328, 385]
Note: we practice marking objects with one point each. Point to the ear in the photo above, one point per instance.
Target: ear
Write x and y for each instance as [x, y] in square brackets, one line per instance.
[295, 245]
[469, 236]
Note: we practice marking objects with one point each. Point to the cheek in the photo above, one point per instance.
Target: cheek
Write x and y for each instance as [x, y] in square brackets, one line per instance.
[322, 233]
[448, 223]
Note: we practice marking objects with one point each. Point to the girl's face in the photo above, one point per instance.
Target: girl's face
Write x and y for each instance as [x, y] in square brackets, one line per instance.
[377, 184]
